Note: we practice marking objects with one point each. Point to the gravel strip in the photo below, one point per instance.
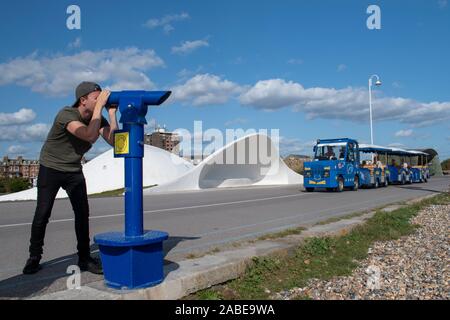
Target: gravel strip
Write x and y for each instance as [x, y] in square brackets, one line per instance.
[413, 267]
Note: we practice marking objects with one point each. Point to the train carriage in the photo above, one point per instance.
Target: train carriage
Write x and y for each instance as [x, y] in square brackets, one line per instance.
[419, 167]
[375, 169]
[399, 169]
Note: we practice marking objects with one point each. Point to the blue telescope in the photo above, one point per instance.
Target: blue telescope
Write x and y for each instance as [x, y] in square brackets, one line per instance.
[133, 105]
[132, 259]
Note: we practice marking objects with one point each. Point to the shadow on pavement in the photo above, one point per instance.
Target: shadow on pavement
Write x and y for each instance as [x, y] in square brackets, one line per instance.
[417, 188]
[53, 277]
[172, 242]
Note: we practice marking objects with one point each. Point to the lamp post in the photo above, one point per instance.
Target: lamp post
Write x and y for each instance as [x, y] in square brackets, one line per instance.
[377, 83]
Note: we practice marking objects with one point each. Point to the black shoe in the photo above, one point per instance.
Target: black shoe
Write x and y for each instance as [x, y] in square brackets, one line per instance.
[90, 264]
[32, 266]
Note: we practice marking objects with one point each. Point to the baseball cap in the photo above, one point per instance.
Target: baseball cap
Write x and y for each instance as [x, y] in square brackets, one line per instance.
[85, 88]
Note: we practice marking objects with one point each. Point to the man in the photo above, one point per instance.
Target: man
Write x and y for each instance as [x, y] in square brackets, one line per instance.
[393, 163]
[74, 131]
[330, 153]
[342, 153]
[377, 161]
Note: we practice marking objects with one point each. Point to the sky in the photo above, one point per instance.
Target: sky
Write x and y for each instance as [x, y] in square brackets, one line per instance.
[301, 67]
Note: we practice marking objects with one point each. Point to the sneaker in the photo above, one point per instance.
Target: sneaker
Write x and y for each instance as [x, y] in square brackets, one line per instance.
[90, 264]
[32, 266]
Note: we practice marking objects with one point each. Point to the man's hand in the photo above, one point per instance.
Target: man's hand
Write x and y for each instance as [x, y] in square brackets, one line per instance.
[108, 132]
[102, 99]
[112, 109]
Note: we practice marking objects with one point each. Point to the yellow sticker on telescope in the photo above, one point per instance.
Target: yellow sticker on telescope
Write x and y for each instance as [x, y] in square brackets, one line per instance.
[121, 144]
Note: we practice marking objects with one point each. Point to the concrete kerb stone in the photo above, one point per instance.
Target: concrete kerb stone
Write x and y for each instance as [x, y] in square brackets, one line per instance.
[201, 273]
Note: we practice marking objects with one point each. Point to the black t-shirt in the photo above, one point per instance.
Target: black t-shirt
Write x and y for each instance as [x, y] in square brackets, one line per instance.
[62, 150]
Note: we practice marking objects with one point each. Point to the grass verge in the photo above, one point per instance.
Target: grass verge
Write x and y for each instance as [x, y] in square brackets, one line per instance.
[321, 258]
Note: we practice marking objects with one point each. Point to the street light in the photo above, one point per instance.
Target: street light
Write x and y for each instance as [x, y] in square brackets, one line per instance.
[377, 83]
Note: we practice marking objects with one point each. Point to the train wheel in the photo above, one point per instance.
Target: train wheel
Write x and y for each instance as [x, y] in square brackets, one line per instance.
[340, 186]
[356, 184]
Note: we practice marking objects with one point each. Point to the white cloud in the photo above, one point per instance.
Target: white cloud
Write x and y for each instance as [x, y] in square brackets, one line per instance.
[16, 150]
[442, 3]
[205, 89]
[341, 67]
[272, 94]
[295, 146]
[404, 133]
[25, 133]
[396, 145]
[397, 85]
[20, 117]
[184, 74]
[295, 61]
[238, 61]
[189, 46]
[35, 132]
[236, 121]
[346, 104]
[166, 21]
[58, 75]
[141, 82]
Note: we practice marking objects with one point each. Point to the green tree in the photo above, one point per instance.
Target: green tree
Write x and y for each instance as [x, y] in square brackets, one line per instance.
[8, 185]
[19, 184]
[445, 165]
[2, 186]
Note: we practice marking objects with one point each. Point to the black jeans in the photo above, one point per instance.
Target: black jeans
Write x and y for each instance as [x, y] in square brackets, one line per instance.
[48, 184]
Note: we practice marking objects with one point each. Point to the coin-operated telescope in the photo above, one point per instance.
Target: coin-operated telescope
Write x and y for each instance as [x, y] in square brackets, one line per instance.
[134, 258]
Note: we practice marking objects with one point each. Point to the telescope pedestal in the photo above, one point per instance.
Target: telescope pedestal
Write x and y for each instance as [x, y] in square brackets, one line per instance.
[132, 262]
[133, 259]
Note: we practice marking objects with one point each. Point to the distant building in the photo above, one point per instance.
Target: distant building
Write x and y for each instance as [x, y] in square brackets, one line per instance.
[160, 138]
[19, 168]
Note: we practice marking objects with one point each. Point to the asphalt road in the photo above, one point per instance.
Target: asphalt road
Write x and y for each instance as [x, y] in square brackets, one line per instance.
[196, 221]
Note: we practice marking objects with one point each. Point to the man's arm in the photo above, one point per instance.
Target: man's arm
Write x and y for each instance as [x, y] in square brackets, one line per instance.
[108, 132]
[90, 132]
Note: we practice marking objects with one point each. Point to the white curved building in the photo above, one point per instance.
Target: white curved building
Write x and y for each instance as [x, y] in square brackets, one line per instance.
[106, 173]
[252, 160]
